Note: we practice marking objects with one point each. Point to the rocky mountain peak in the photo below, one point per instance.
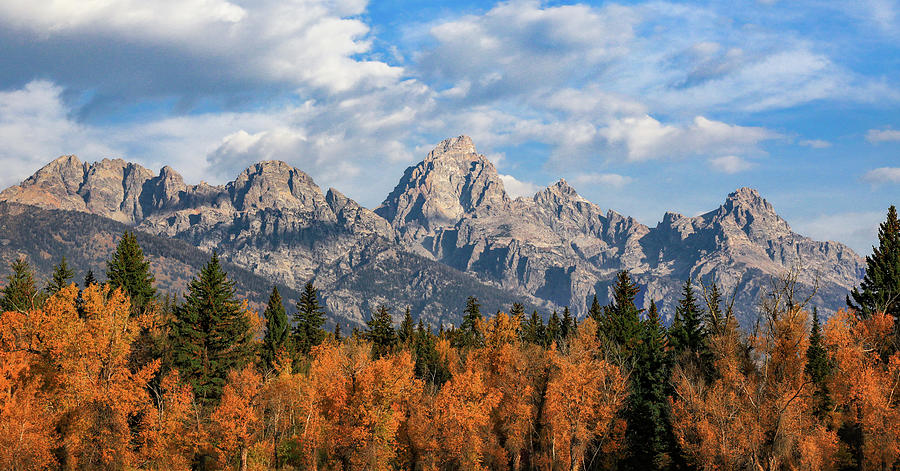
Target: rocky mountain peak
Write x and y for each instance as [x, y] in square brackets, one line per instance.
[452, 182]
[748, 212]
[275, 185]
[455, 146]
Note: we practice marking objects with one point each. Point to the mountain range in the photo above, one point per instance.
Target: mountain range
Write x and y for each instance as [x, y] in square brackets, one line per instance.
[446, 231]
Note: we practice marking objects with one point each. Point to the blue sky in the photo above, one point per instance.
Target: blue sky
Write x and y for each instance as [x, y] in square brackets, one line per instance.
[643, 107]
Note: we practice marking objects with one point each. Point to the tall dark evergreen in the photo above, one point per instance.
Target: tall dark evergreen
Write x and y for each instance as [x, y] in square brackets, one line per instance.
[210, 333]
[716, 315]
[818, 367]
[310, 319]
[90, 279]
[647, 411]
[595, 311]
[688, 332]
[429, 366]
[380, 331]
[407, 330]
[553, 331]
[278, 331]
[128, 270]
[620, 322]
[62, 277]
[880, 288]
[20, 293]
[568, 323]
[468, 334]
[532, 329]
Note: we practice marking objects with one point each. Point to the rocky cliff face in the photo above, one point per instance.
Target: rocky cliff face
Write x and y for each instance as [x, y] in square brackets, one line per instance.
[449, 212]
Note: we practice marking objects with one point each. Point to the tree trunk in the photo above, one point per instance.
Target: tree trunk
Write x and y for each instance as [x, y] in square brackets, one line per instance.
[243, 458]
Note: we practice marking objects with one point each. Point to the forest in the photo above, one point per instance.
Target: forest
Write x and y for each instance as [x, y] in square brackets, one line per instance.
[114, 375]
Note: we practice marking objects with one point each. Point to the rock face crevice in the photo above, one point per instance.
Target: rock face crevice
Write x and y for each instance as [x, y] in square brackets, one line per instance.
[449, 212]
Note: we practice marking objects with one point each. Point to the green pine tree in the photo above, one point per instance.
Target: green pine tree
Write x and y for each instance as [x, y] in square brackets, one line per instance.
[90, 279]
[380, 331]
[406, 331]
[553, 330]
[647, 411]
[532, 329]
[818, 367]
[277, 336]
[568, 323]
[620, 322]
[595, 311]
[429, 366]
[880, 288]
[128, 270]
[20, 293]
[62, 277]
[310, 319]
[210, 333]
[687, 332]
[468, 334]
[337, 332]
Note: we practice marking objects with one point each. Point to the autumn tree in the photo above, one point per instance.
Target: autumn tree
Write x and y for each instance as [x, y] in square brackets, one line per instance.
[210, 333]
[584, 397]
[20, 293]
[756, 413]
[236, 422]
[170, 431]
[128, 270]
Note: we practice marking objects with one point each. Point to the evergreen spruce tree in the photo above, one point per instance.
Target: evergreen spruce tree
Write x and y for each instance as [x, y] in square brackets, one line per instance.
[595, 311]
[647, 411]
[277, 336]
[532, 329]
[380, 331]
[90, 279]
[308, 331]
[517, 310]
[568, 323]
[880, 288]
[429, 366]
[687, 332]
[818, 367]
[553, 330]
[128, 270]
[406, 331]
[62, 277]
[20, 293]
[469, 335]
[337, 332]
[210, 333]
[716, 320]
[620, 322]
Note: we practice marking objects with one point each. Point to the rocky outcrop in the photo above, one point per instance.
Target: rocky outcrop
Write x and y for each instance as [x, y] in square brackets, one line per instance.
[449, 224]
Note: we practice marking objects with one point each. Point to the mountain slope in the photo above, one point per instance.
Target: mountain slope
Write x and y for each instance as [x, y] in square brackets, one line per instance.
[449, 223]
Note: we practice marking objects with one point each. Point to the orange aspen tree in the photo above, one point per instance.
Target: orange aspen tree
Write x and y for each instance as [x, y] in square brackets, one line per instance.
[93, 388]
[168, 432]
[583, 399]
[506, 371]
[26, 418]
[236, 422]
[864, 382]
[461, 416]
[758, 412]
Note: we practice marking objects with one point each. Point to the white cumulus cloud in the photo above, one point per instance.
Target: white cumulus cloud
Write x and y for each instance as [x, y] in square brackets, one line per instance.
[730, 164]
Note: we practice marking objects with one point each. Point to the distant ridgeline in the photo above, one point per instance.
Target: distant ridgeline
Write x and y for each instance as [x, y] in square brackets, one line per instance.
[447, 231]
